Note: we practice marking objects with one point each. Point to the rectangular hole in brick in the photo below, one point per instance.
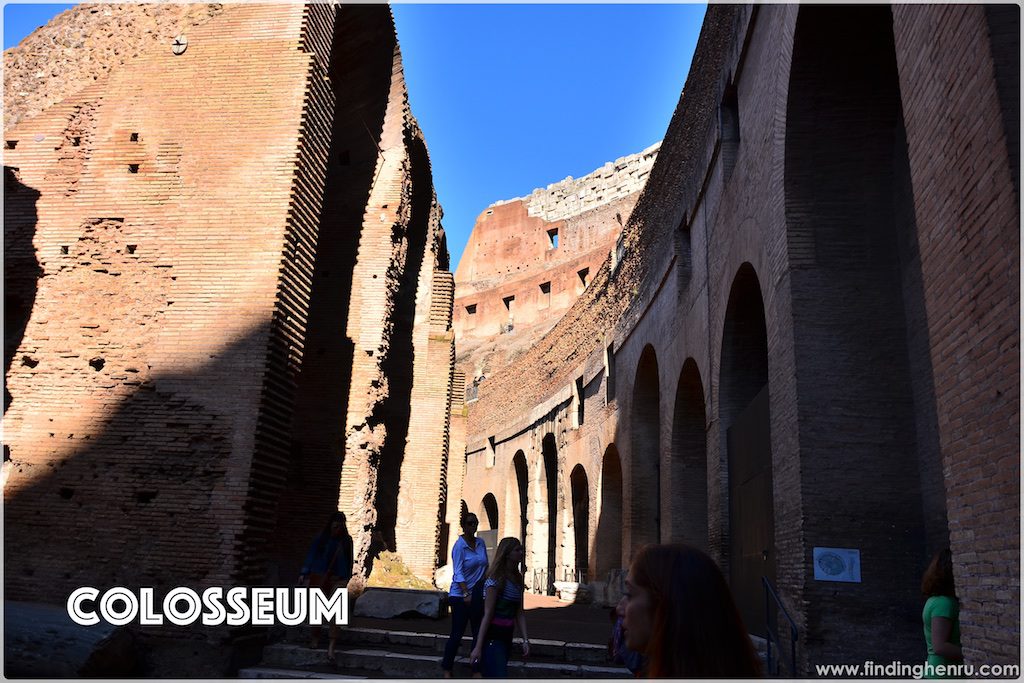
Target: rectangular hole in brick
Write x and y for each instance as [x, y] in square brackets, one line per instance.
[64, 249]
[134, 137]
[131, 248]
[133, 168]
[76, 141]
[10, 144]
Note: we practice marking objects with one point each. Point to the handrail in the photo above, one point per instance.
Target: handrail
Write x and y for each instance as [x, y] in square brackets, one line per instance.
[769, 596]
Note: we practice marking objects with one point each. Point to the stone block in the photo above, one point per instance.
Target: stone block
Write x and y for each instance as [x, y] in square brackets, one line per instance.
[388, 603]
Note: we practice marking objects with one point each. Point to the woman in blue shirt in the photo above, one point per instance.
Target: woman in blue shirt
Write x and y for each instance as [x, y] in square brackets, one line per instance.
[466, 596]
[328, 566]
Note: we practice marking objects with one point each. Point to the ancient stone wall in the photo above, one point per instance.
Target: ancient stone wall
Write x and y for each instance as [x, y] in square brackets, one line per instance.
[785, 325]
[81, 46]
[200, 272]
[529, 258]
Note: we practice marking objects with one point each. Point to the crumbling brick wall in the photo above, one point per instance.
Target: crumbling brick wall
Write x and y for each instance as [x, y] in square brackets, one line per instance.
[799, 268]
[529, 258]
[186, 248]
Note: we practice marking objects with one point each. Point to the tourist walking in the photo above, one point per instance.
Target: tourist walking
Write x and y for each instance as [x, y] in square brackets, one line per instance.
[328, 566]
[466, 596]
[678, 612]
[503, 609]
[941, 616]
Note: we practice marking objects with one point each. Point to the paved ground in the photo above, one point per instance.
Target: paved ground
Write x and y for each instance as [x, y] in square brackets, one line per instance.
[546, 618]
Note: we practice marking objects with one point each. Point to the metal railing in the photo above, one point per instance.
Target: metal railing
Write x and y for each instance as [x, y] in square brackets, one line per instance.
[772, 631]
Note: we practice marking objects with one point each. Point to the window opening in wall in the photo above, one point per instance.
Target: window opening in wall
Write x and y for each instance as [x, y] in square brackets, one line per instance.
[553, 238]
[683, 256]
[545, 295]
[133, 168]
[134, 137]
[490, 457]
[76, 141]
[10, 144]
[584, 276]
[471, 309]
[579, 402]
[609, 373]
[729, 124]
[509, 302]
[490, 211]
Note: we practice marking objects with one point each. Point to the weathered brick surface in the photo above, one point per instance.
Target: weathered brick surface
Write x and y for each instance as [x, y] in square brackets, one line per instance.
[203, 248]
[510, 256]
[857, 251]
[82, 45]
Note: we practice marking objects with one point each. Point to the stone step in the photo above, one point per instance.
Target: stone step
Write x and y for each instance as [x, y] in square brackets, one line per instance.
[270, 672]
[391, 664]
[425, 643]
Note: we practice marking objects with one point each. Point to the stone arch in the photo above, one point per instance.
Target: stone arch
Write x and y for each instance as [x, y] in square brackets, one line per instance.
[645, 459]
[580, 486]
[517, 499]
[745, 422]
[864, 379]
[489, 506]
[545, 517]
[608, 539]
[689, 463]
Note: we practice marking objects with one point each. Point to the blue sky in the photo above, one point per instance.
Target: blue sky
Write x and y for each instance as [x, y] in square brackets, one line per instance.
[514, 97]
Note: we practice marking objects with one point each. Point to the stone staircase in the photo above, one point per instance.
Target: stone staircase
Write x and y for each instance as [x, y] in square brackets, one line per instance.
[380, 653]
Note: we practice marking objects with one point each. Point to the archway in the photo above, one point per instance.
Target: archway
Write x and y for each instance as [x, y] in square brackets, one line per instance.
[516, 500]
[864, 381]
[689, 469]
[581, 520]
[645, 460]
[546, 516]
[745, 422]
[489, 505]
[608, 540]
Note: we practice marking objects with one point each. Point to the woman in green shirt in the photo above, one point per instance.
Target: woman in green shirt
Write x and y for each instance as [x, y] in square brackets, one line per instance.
[941, 615]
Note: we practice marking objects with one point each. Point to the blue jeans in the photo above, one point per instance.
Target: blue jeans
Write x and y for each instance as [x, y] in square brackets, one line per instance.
[496, 659]
[463, 614]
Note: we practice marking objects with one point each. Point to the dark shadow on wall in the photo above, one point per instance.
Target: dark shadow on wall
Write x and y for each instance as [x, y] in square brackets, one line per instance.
[608, 539]
[399, 365]
[139, 499]
[361, 75]
[21, 267]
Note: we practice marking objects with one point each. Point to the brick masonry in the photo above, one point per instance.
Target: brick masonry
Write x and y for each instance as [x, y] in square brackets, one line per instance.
[198, 271]
[836, 219]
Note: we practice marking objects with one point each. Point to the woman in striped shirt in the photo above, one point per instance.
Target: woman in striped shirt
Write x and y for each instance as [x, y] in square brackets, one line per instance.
[503, 609]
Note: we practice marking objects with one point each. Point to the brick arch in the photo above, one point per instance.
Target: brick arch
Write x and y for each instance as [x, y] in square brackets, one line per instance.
[744, 417]
[517, 499]
[864, 379]
[544, 516]
[689, 463]
[645, 460]
[608, 539]
[489, 508]
[580, 486]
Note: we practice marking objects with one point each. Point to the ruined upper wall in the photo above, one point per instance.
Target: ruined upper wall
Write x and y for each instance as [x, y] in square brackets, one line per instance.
[571, 197]
[83, 44]
[512, 235]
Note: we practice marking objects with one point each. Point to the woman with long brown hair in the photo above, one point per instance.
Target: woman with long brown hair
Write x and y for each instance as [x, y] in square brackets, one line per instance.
[678, 611]
[503, 609]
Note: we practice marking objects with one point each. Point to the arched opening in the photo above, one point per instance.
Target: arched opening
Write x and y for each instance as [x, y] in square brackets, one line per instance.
[689, 469]
[645, 460]
[489, 505]
[546, 518]
[516, 498]
[608, 540]
[581, 520]
[745, 420]
[864, 380]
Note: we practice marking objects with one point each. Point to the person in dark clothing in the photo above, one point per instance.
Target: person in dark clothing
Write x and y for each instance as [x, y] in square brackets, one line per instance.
[328, 566]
